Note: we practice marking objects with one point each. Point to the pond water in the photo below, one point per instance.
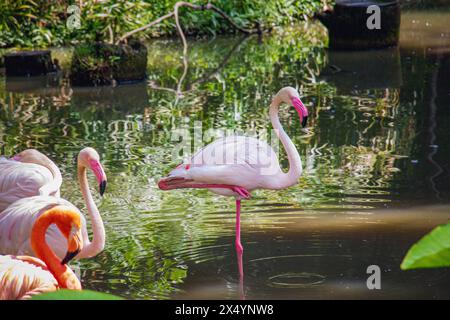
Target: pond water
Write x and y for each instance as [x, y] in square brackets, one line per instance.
[375, 156]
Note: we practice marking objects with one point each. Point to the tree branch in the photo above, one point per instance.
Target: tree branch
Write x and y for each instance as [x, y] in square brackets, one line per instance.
[151, 24]
[179, 4]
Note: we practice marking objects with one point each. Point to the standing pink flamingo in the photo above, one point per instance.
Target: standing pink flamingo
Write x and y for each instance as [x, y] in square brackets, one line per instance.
[236, 165]
[21, 277]
[29, 173]
[17, 220]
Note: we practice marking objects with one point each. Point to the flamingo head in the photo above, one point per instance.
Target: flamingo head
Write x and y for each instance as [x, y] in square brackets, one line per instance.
[31, 156]
[74, 243]
[89, 158]
[178, 177]
[69, 223]
[291, 96]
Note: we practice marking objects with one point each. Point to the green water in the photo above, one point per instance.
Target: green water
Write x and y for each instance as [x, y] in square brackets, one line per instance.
[375, 152]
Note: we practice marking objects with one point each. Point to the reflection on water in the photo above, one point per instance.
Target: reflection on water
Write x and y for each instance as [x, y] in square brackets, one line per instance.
[372, 144]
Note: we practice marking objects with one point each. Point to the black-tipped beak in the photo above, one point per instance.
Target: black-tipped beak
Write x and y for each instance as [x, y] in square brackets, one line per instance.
[304, 121]
[69, 256]
[102, 187]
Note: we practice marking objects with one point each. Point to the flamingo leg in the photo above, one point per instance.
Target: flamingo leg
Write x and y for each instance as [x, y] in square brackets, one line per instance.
[241, 193]
[239, 248]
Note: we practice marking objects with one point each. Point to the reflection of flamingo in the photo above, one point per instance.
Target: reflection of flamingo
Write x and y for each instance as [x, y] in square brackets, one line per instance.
[21, 277]
[29, 173]
[249, 164]
[17, 220]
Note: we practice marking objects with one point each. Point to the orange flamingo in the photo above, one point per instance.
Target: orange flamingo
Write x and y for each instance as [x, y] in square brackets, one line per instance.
[21, 277]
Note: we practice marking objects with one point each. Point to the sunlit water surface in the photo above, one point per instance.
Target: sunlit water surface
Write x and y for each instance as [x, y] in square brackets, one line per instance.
[377, 145]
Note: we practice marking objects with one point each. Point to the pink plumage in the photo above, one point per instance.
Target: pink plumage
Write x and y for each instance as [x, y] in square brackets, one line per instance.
[29, 173]
[16, 221]
[236, 165]
[22, 278]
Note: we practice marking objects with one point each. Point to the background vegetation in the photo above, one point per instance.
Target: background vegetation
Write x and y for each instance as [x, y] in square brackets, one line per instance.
[38, 23]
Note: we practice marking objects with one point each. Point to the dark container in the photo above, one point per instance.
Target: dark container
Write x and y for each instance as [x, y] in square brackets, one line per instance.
[347, 24]
[28, 63]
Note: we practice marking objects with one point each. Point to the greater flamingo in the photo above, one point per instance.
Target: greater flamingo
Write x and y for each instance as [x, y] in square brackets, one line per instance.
[17, 220]
[21, 277]
[29, 173]
[236, 165]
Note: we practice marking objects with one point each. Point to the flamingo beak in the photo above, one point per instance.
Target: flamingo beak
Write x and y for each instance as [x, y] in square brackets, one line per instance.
[99, 173]
[102, 187]
[69, 256]
[74, 247]
[301, 110]
[169, 183]
[163, 185]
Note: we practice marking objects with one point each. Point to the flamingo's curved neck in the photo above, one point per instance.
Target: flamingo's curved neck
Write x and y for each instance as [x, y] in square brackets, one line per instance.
[62, 273]
[52, 188]
[295, 163]
[91, 249]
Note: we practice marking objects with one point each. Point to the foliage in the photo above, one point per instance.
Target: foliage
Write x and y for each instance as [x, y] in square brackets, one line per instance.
[26, 23]
[432, 251]
[34, 23]
[75, 295]
[105, 19]
[100, 63]
[93, 64]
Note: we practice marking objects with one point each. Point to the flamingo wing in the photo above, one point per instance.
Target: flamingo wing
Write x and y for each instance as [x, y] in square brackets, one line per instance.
[17, 220]
[20, 180]
[21, 279]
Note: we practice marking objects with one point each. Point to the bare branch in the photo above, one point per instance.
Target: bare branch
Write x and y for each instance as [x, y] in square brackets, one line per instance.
[151, 24]
[179, 4]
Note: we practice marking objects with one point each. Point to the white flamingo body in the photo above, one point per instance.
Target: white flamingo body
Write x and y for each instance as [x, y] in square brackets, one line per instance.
[235, 165]
[20, 180]
[244, 161]
[235, 160]
[17, 220]
[22, 277]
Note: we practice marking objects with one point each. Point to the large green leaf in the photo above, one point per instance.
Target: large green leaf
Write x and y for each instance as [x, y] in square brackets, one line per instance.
[432, 251]
[75, 295]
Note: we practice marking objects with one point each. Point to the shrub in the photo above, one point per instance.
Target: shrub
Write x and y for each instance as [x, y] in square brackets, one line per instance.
[33, 23]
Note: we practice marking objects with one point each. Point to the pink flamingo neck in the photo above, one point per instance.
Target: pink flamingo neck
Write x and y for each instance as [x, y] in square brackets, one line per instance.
[295, 163]
[53, 186]
[91, 248]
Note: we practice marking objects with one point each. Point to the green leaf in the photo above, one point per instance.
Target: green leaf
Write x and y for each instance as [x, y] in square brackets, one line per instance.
[75, 295]
[432, 251]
